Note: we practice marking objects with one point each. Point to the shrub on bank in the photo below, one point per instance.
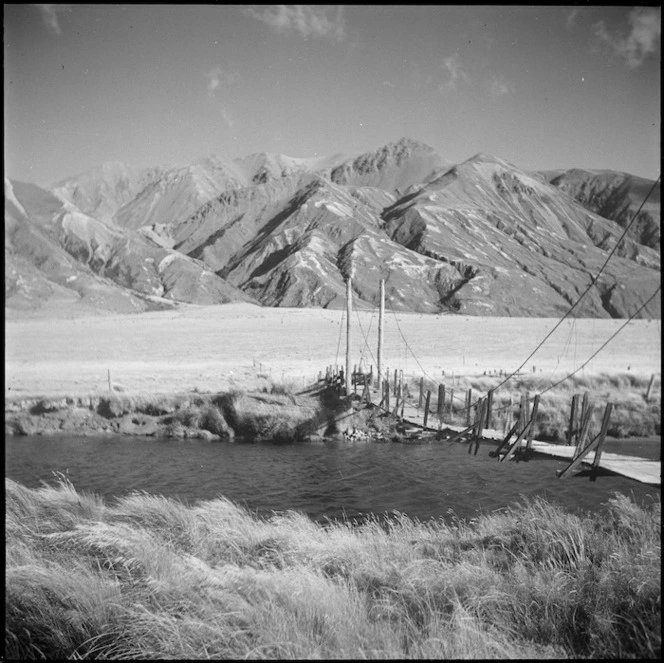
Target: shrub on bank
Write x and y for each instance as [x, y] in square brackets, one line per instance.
[148, 577]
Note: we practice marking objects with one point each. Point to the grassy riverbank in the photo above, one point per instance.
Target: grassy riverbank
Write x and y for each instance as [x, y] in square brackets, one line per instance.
[285, 412]
[277, 413]
[148, 577]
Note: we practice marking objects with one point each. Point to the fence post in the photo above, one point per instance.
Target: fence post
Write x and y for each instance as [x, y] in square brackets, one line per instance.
[650, 384]
[600, 442]
[489, 407]
[426, 407]
[396, 373]
[572, 419]
[531, 429]
[584, 406]
[419, 404]
[441, 402]
[469, 398]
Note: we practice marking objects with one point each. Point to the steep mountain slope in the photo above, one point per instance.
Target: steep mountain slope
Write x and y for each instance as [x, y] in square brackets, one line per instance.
[321, 235]
[481, 237]
[394, 167]
[102, 191]
[615, 196]
[523, 247]
[54, 243]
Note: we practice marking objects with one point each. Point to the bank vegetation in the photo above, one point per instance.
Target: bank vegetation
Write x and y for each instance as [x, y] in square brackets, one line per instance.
[148, 577]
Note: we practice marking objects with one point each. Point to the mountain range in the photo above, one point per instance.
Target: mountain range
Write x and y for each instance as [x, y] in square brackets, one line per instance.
[481, 237]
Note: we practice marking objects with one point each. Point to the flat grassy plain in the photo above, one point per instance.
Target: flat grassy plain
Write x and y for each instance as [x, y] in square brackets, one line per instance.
[242, 346]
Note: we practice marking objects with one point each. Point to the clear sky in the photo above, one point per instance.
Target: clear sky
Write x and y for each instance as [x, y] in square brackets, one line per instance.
[150, 85]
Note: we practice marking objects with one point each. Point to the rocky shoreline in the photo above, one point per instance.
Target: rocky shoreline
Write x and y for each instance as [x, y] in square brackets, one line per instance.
[227, 417]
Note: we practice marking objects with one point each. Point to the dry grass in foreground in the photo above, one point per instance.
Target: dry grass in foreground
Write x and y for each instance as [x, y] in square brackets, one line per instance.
[148, 577]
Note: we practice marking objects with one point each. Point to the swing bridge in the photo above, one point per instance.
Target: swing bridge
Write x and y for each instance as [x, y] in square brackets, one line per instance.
[391, 397]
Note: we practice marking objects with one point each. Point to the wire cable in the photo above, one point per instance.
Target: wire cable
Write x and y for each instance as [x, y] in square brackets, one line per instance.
[592, 356]
[583, 294]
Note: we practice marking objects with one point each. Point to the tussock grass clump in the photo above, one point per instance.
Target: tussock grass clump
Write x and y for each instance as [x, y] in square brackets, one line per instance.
[149, 577]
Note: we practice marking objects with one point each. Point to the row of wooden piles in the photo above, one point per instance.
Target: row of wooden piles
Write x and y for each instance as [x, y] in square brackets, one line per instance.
[481, 415]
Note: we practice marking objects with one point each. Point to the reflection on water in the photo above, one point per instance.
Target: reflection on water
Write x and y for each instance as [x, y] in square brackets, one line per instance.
[322, 480]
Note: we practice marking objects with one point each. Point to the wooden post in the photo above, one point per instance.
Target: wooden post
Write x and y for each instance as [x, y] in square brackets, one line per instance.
[572, 432]
[441, 402]
[366, 395]
[349, 308]
[584, 406]
[426, 407]
[419, 403]
[451, 404]
[600, 441]
[650, 384]
[479, 419]
[531, 428]
[398, 398]
[508, 416]
[381, 312]
[387, 395]
[469, 398]
[396, 375]
[489, 407]
[110, 389]
[585, 424]
[527, 406]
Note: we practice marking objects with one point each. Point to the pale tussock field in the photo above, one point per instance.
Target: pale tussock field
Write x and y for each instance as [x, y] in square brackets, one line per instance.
[213, 348]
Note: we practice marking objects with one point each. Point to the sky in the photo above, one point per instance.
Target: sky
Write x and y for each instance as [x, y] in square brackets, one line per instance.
[164, 85]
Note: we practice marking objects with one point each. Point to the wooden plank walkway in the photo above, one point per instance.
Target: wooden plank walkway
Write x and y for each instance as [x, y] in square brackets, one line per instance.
[640, 469]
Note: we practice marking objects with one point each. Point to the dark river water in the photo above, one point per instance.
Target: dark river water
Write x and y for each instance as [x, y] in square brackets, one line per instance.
[331, 480]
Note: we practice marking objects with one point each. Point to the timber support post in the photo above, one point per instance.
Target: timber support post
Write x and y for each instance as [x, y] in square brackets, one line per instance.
[594, 444]
[419, 404]
[650, 384]
[479, 419]
[469, 398]
[441, 402]
[426, 407]
[349, 308]
[531, 428]
[489, 407]
[600, 441]
[381, 314]
[572, 432]
[585, 425]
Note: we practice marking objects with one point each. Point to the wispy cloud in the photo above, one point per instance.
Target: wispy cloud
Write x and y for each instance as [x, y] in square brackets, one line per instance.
[50, 16]
[454, 74]
[226, 116]
[644, 38]
[571, 15]
[219, 80]
[305, 20]
[499, 86]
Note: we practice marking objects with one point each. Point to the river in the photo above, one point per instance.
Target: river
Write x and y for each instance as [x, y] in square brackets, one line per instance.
[323, 480]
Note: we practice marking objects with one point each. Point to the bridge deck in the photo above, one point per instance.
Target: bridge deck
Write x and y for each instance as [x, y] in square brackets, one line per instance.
[640, 469]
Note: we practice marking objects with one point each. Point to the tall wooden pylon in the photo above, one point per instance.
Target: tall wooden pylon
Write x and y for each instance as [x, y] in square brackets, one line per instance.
[381, 312]
[349, 308]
